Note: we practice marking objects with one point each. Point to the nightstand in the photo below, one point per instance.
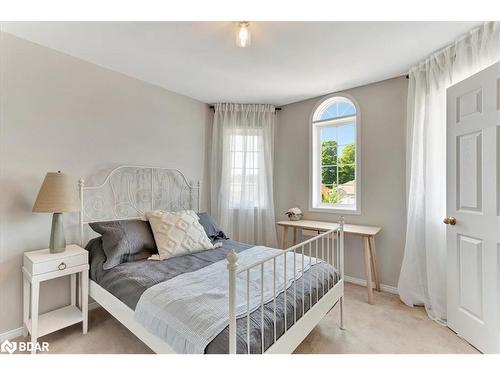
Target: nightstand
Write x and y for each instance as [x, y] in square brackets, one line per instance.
[40, 266]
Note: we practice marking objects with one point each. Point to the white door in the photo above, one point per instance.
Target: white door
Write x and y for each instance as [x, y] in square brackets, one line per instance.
[473, 120]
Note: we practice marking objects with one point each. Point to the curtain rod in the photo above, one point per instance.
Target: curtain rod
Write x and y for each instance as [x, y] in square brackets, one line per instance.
[276, 109]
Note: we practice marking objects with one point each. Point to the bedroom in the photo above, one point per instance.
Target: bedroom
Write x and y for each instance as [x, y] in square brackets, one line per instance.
[180, 142]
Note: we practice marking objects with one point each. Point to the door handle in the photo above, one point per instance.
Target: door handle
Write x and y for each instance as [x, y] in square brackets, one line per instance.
[450, 220]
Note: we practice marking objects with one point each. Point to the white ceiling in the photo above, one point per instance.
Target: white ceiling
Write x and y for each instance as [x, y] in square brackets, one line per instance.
[287, 62]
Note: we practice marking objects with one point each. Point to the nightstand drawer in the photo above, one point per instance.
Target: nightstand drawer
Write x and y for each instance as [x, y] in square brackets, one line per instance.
[55, 264]
[43, 261]
[59, 264]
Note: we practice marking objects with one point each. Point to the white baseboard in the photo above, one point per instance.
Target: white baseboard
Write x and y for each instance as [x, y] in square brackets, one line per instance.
[362, 282]
[9, 335]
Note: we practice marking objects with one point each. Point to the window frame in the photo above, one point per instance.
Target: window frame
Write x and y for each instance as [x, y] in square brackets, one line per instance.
[314, 158]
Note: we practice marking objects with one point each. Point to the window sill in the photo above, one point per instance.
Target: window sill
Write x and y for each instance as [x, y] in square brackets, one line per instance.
[336, 210]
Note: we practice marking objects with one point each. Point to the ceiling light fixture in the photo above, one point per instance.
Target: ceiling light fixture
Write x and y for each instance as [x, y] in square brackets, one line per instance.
[243, 37]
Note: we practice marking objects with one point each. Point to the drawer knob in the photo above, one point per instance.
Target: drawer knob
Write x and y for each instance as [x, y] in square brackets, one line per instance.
[62, 266]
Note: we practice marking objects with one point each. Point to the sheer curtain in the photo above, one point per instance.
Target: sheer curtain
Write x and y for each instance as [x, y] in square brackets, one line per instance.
[241, 177]
[423, 273]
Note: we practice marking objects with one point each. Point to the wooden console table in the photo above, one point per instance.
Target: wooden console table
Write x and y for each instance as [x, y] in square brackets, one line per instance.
[366, 232]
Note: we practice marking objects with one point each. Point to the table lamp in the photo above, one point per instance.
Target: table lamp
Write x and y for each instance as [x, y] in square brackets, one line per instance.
[57, 195]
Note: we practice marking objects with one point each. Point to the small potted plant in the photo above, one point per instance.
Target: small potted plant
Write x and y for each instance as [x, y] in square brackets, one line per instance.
[294, 214]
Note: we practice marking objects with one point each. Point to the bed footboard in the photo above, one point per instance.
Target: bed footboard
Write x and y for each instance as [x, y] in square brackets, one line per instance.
[327, 247]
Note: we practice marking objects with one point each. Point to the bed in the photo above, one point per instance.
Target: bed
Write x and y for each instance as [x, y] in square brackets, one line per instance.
[272, 317]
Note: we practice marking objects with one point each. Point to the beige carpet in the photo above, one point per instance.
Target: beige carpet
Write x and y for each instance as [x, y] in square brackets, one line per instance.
[386, 327]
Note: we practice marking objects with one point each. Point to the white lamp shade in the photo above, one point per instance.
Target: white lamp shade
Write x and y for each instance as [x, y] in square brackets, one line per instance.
[57, 194]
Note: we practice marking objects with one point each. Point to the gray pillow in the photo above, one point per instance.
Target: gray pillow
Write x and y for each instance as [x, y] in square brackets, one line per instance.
[125, 241]
[213, 231]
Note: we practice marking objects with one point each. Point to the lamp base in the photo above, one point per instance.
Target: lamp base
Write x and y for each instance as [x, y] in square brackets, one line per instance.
[57, 240]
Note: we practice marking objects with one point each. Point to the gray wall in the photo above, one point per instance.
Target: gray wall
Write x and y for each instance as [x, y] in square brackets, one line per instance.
[383, 117]
[61, 113]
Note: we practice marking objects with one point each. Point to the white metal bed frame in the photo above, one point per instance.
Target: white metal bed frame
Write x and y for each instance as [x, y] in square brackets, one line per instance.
[170, 190]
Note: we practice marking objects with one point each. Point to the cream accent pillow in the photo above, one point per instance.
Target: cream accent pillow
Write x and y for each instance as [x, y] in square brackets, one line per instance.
[177, 233]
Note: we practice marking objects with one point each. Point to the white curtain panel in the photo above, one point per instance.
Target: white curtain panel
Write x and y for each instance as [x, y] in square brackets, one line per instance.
[423, 274]
[241, 177]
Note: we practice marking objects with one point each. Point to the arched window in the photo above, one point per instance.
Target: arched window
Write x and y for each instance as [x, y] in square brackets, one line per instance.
[335, 169]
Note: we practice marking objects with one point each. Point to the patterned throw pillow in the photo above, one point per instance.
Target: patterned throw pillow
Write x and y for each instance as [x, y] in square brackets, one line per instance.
[177, 233]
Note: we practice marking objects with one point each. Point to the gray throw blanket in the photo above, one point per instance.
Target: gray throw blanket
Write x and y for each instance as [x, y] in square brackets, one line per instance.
[190, 310]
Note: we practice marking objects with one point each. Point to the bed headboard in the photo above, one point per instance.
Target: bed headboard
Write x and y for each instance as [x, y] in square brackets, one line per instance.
[129, 191]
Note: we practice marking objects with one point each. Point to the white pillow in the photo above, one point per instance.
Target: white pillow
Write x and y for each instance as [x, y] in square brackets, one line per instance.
[177, 233]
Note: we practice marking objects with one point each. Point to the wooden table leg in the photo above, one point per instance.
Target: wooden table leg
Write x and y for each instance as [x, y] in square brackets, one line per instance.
[368, 271]
[294, 236]
[284, 235]
[373, 253]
